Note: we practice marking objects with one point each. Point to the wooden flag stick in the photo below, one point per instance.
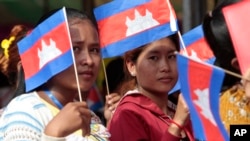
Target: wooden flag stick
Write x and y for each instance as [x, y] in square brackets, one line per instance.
[226, 71]
[105, 76]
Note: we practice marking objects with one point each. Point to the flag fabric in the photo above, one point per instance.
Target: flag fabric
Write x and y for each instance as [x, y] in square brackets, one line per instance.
[127, 24]
[238, 21]
[195, 47]
[46, 51]
[200, 86]
[94, 99]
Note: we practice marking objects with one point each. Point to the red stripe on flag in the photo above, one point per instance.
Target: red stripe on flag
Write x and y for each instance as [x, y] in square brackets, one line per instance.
[116, 29]
[212, 132]
[201, 48]
[238, 21]
[30, 59]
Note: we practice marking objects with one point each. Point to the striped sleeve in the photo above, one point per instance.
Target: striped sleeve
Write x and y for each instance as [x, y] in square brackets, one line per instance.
[24, 119]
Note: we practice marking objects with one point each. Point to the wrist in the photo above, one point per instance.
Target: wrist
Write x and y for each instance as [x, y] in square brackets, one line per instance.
[175, 128]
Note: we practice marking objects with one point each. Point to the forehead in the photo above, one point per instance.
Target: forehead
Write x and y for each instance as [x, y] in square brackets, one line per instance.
[82, 28]
[162, 45]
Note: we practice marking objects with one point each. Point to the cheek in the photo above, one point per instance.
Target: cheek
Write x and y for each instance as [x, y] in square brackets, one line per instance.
[146, 70]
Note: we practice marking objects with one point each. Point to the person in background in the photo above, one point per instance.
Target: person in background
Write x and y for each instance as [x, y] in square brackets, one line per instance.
[10, 65]
[37, 116]
[151, 72]
[234, 101]
[115, 78]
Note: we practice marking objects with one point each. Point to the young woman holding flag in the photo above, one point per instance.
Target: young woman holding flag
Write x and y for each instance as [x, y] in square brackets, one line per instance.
[142, 113]
[50, 112]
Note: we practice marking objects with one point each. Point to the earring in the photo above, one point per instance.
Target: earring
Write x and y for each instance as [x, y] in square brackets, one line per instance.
[132, 74]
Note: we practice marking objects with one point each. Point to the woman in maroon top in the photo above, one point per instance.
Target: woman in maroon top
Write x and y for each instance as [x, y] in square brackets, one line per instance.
[142, 113]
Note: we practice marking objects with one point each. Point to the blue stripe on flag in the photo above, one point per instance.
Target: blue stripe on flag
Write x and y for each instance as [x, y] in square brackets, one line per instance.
[137, 40]
[183, 65]
[49, 70]
[215, 87]
[42, 29]
[115, 7]
[193, 35]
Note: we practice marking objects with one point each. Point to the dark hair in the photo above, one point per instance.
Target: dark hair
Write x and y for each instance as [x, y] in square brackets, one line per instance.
[71, 13]
[8, 66]
[115, 74]
[218, 37]
[129, 81]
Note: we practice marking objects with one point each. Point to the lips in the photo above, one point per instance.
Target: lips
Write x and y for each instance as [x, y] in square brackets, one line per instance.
[166, 79]
[86, 74]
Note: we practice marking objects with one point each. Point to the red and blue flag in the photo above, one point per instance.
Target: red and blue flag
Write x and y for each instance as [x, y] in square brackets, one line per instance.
[196, 47]
[94, 99]
[200, 85]
[46, 51]
[238, 21]
[127, 24]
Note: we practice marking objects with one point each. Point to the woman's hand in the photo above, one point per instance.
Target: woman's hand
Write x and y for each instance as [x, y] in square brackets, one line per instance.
[73, 116]
[111, 102]
[246, 83]
[181, 117]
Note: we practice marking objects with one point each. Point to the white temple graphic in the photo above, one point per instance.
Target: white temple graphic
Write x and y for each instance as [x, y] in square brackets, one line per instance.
[140, 23]
[48, 52]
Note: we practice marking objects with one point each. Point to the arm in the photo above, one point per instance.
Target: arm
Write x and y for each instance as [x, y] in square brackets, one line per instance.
[181, 118]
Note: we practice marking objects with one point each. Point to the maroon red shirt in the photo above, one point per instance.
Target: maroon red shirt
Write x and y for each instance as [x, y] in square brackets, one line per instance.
[138, 118]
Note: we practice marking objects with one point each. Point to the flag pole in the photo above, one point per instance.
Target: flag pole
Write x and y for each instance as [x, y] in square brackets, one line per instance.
[173, 26]
[182, 43]
[73, 58]
[105, 76]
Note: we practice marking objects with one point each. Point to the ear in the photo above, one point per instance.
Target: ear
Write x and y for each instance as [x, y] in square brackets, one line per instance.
[131, 67]
[235, 63]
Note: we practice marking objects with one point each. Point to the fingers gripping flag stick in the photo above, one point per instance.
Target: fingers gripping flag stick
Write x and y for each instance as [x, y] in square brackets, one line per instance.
[128, 24]
[200, 86]
[46, 51]
[238, 21]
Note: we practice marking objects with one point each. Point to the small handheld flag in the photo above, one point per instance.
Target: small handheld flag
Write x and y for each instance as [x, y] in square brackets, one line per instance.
[46, 51]
[128, 24]
[238, 21]
[200, 86]
[195, 47]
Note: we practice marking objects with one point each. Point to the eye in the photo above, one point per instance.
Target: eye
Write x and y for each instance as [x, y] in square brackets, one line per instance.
[95, 50]
[172, 56]
[154, 57]
[76, 48]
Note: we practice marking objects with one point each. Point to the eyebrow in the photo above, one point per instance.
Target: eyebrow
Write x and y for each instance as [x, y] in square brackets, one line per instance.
[157, 51]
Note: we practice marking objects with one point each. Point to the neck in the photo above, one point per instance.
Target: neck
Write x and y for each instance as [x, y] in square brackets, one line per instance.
[161, 100]
[62, 95]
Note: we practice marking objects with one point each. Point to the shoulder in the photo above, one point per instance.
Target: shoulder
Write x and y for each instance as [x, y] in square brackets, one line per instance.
[26, 109]
[131, 107]
[25, 102]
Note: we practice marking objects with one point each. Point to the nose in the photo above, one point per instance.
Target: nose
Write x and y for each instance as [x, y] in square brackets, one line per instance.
[165, 65]
[86, 59]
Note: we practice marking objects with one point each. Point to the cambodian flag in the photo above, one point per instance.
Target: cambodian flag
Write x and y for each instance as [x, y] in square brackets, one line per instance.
[200, 86]
[196, 47]
[46, 51]
[128, 24]
[94, 99]
[238, 21]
